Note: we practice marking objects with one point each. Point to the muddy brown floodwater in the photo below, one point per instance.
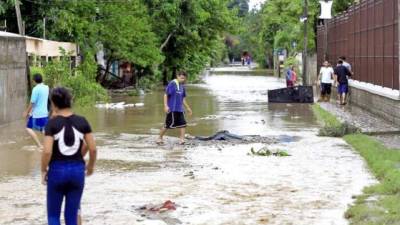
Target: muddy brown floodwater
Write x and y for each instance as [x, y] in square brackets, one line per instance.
[217, 183]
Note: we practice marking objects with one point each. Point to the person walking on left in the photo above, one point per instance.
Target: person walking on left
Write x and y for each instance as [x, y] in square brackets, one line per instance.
[37, 113]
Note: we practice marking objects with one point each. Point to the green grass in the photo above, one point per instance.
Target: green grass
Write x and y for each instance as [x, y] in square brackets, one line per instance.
[332, 126]
[325, 117]
[379, 204]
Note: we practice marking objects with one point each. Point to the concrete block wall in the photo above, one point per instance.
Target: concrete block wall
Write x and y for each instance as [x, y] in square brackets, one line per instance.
[312, 69]
[13, 79]
[384, 107]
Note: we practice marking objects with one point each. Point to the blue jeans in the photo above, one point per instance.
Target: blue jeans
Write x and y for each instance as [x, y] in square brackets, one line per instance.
[65, 179]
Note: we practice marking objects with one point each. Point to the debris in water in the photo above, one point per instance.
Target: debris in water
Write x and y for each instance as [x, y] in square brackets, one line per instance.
[190, 175]
[221, 136]
[267, 152]
[166, 206]
[119, 105]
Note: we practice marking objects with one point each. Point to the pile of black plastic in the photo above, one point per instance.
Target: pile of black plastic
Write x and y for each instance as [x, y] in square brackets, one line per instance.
[298, 94]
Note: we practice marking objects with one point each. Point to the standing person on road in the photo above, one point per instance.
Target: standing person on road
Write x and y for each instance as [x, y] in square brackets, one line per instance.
[174, 103]
[291, 77]
[37, 113]
[294, 76]
[289, 74]
[325, 79]
[342, 82]
[63, 167]
[346, 64]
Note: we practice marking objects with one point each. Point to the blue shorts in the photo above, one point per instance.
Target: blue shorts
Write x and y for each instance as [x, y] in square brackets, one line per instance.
[37, 123]
[343, 88]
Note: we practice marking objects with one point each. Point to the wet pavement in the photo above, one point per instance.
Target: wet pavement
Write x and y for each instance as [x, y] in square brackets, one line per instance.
[211, 183]
[390, 140]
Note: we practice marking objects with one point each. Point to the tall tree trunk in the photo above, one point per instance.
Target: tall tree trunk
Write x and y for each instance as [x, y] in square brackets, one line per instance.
[134, 76]
[165, 75]
[174, 72]
[109, 62]
[167, 40]
[28, 76]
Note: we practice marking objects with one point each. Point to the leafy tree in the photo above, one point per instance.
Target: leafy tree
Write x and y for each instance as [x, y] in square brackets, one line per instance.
[5, 4]
[189, 30]
[122, 28]
[341, 5]
[176, 34]
[241, 5]
[85, 91]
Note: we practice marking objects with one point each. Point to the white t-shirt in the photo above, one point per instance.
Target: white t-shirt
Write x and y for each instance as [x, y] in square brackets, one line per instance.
[326, 75]
[326, 9]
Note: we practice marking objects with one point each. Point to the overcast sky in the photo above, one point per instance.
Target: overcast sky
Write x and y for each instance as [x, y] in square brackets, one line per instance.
[254, 3]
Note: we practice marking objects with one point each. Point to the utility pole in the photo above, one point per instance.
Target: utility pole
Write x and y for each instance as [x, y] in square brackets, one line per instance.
[19, 18]
[305, 41]
[44, 28]
[326, 39]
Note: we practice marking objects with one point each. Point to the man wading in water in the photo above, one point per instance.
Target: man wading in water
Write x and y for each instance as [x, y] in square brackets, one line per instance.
[174, 102]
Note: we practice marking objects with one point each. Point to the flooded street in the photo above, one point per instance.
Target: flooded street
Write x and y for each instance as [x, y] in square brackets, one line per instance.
[211, 184]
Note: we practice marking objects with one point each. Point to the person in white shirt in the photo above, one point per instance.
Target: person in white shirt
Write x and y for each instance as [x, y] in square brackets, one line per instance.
[326, 9]
[325, 79]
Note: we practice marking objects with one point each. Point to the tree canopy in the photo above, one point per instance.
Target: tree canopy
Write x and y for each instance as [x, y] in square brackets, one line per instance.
[190, 31]
[277, 26]
[241, 5]
[170, 35]
[123, 29]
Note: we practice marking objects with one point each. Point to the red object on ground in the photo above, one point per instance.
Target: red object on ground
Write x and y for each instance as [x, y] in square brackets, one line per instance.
[168, 205]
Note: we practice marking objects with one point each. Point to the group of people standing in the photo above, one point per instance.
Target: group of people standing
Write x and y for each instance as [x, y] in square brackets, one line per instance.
[291, 77]
[338, 77]
[246, 59]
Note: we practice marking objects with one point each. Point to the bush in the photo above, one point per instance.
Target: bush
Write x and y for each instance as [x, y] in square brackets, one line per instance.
[338, 131]
[80, 80]
[85, 91]
[147, 83]
[35, 70]
[56, 72]
[332, 126]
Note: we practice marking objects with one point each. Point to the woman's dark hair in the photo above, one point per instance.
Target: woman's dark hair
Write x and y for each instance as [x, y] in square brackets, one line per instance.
[182, 73]
[61, 97]
[340, 62]
[38, 78]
